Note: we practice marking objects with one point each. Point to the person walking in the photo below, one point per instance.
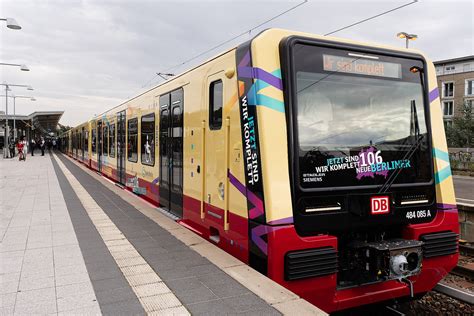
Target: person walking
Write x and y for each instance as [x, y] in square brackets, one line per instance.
[22, 147]
[32, 145]
[42, 145]
[25, 147]
[11, 146]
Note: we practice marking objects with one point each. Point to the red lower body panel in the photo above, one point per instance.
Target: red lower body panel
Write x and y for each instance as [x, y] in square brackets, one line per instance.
[322, 291]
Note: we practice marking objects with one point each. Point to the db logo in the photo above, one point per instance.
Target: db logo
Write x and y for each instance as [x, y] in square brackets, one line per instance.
[379, 205]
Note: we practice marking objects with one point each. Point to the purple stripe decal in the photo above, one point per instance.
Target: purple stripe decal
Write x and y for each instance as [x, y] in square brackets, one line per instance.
[260, 231]
[445, 206]
[245, 61]
[455, 210]
[236, 183]
[254, 212]
[282, 221]
[258, 210]
[434, 94]
[258, 73]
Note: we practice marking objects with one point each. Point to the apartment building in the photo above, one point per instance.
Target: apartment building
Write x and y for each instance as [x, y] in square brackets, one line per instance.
[456, 85]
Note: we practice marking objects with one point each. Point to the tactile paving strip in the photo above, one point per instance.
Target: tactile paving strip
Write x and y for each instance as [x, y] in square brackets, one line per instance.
[155, 297]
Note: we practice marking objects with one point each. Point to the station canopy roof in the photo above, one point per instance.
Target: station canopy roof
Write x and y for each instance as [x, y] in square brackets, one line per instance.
[43, 121]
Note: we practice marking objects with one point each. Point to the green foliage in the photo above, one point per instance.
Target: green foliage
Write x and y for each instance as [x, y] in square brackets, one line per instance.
[461, 133]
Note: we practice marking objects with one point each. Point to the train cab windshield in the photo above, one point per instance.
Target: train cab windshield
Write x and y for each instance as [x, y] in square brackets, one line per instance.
[359, 118]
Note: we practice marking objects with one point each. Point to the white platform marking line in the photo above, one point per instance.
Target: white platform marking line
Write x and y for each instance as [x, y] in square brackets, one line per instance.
[152, 292]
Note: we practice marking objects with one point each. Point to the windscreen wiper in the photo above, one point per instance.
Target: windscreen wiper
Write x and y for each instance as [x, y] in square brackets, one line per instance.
[414, 131]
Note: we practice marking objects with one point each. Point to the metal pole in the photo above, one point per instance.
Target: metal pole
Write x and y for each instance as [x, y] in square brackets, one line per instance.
[406, 41]
[6, 151]
[14, 120]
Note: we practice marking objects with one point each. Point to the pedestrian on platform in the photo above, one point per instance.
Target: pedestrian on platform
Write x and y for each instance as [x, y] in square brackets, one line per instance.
[11, 147]
[42, 145]
[32, 145]
[22, 147]
[25, 147]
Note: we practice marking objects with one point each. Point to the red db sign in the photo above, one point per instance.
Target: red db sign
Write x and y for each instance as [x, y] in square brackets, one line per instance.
[379, 205]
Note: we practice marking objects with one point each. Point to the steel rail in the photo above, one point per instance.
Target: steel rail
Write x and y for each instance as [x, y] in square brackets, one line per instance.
[455, 293]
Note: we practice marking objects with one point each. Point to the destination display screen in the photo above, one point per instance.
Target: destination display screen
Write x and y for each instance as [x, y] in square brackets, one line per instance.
[360, 66]
[359, 120]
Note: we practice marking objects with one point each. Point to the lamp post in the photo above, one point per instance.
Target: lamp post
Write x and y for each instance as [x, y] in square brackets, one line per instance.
[6, 153]
[14, 97]
[23, 67]
[11, 23]
[407, 37]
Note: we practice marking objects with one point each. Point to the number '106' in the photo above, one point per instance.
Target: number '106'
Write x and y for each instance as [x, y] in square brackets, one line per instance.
[371, 158]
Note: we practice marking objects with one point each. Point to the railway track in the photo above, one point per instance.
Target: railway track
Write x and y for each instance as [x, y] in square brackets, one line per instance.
[461, 278]
[466, 250]
[464, 271]
[455, 292]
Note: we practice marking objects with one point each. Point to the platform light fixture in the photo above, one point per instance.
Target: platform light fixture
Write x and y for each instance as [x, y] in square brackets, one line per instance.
[23, 67]
[11, 23]
[407, 37]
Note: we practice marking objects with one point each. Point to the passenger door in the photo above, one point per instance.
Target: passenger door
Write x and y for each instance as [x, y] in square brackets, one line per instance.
[121, 147]
[171, 152]
[99, 145]
[215, 173]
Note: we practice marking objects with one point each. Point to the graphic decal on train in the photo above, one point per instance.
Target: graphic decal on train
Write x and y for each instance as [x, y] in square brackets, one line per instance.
[251, 154]
[368, 163]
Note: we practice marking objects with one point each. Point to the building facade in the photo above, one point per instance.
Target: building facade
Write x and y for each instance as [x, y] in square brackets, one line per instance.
[456, 85]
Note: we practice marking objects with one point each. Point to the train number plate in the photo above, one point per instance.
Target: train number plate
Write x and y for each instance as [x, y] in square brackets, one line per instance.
[379, 205]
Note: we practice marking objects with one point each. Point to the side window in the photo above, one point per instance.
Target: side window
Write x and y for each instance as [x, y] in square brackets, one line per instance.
[94, 139]
[112, 140]
[132, 140]
[105, 143]
[215, 104]
[86, 142]
[148, 139]
[448, 89]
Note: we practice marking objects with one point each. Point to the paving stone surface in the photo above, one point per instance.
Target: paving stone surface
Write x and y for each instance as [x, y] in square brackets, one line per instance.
[202, 287]
[54, 260]
[39, 250]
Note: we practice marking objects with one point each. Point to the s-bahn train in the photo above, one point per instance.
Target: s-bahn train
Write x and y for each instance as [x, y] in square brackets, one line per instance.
[318, 161]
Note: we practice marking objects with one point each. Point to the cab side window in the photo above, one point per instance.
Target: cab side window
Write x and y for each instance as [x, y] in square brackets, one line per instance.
[215, 104]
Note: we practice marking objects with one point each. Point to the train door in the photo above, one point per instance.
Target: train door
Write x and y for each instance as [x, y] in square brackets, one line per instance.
[86, 144]
[74, 144]
[214, 165]
[99, 146]
[121, 147]
[171, 152]
[83, 148]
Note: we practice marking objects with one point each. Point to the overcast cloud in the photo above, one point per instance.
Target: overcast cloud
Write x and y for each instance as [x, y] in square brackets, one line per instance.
[88, 56]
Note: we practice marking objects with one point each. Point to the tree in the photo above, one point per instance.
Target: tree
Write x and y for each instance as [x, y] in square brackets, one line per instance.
[461, 133]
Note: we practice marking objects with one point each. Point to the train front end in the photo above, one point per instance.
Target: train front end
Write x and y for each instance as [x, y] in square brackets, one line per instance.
[363, 208]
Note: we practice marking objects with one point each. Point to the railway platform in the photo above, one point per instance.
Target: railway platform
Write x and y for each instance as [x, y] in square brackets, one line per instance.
[72, 242]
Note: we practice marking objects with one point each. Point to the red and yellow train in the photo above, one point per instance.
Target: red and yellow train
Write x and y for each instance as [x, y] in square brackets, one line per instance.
[318, 161]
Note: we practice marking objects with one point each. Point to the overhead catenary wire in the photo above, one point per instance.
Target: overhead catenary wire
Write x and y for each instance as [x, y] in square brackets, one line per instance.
[271, 19]
[229, 40]
[370, 18]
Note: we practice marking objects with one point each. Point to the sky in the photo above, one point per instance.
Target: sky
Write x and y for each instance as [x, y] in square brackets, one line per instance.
[88, 56]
